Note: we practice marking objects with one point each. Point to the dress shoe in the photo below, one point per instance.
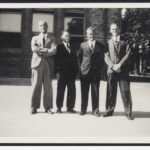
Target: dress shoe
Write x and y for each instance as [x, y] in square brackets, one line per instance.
[129, 116]
[71, 111]
[33, 111]
[59, 110]
[107, 114]
[49, 111]
[82, 113]
[96, 113]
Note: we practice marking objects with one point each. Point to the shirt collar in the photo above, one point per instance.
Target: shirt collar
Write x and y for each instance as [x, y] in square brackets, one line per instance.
[66, 43]
[116, 38]
[92, 42]
[44, 35]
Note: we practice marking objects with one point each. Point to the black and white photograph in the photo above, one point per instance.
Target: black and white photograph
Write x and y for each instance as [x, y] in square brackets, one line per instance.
[75, 73]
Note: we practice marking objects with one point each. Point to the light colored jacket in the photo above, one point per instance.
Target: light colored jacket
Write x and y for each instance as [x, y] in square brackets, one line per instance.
[113, 57]
[36, 44]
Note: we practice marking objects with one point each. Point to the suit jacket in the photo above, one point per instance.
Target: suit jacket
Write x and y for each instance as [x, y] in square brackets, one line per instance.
[91, 61]
[121, 56]
[66, 63]
[36, 44]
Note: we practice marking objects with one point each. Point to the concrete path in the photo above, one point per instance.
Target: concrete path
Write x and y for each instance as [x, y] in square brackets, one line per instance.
[18, 125]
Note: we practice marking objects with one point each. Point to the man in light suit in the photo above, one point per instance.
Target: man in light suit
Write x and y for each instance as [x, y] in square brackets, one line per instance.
[91, 63]
[66, 67]
[43, 47]
[117, 60]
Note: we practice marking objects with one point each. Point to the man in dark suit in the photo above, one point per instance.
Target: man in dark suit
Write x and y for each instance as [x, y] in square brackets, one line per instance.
[66, 67]
[117, 59]
[91, 63]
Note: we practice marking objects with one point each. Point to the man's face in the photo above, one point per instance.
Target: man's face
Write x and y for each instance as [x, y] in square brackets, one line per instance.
[43, 27]
[114, 30]
[90, 35]
[66, 37]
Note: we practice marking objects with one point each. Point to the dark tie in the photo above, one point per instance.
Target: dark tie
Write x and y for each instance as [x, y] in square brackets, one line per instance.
[92, 46]
[117, 44]
[43, 41]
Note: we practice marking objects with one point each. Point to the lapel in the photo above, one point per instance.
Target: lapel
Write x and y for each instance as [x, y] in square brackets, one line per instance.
[40, 41]
[48, 40]
[65, 50]
[112, 47]
[96, 47]
[88, 48]
[121, 44]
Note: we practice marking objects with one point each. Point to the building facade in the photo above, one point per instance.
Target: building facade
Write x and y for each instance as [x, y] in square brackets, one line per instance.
[18, 26]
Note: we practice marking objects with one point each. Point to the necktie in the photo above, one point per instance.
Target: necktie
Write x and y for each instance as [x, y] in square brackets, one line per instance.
[43, 41]
[91, 47]
[117, 44]
[68, 47]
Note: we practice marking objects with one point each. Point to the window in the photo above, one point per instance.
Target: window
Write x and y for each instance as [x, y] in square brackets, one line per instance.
[74, 23]
[10, 29]
[48, 17]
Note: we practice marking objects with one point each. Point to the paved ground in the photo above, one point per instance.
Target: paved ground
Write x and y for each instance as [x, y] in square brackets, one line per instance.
[18, 125]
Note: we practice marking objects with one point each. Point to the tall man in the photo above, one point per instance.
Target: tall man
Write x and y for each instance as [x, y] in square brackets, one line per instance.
[43, 48]
[117, 59]
[91, 63]
[66, 67]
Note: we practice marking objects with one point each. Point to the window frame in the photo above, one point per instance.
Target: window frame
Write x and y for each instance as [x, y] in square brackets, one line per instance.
[76, 13]
[44, 11]
[75, 35]
[13, 11]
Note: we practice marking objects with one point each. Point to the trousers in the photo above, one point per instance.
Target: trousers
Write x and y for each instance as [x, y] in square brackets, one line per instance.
[86, 81]
[41, 77]
[124, 84]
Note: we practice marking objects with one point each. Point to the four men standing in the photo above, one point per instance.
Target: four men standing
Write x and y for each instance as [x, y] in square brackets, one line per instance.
[91, 61]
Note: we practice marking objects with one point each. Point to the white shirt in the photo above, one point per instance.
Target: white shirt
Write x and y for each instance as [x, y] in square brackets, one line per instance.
[44, 35]
[92, 43]
[116, 38]
[67, 46]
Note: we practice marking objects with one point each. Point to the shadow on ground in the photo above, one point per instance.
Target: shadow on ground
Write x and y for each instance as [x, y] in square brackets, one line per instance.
[136, 114]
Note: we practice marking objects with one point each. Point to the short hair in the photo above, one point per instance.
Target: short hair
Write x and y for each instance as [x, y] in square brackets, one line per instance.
[90, 28]
[62, 33]
[114, 23]
[42, 21]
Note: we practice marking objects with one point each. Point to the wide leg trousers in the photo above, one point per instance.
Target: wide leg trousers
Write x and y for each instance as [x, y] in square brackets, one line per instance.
[124, 84]
[86, 81]
[41, 76]
[64, 82]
